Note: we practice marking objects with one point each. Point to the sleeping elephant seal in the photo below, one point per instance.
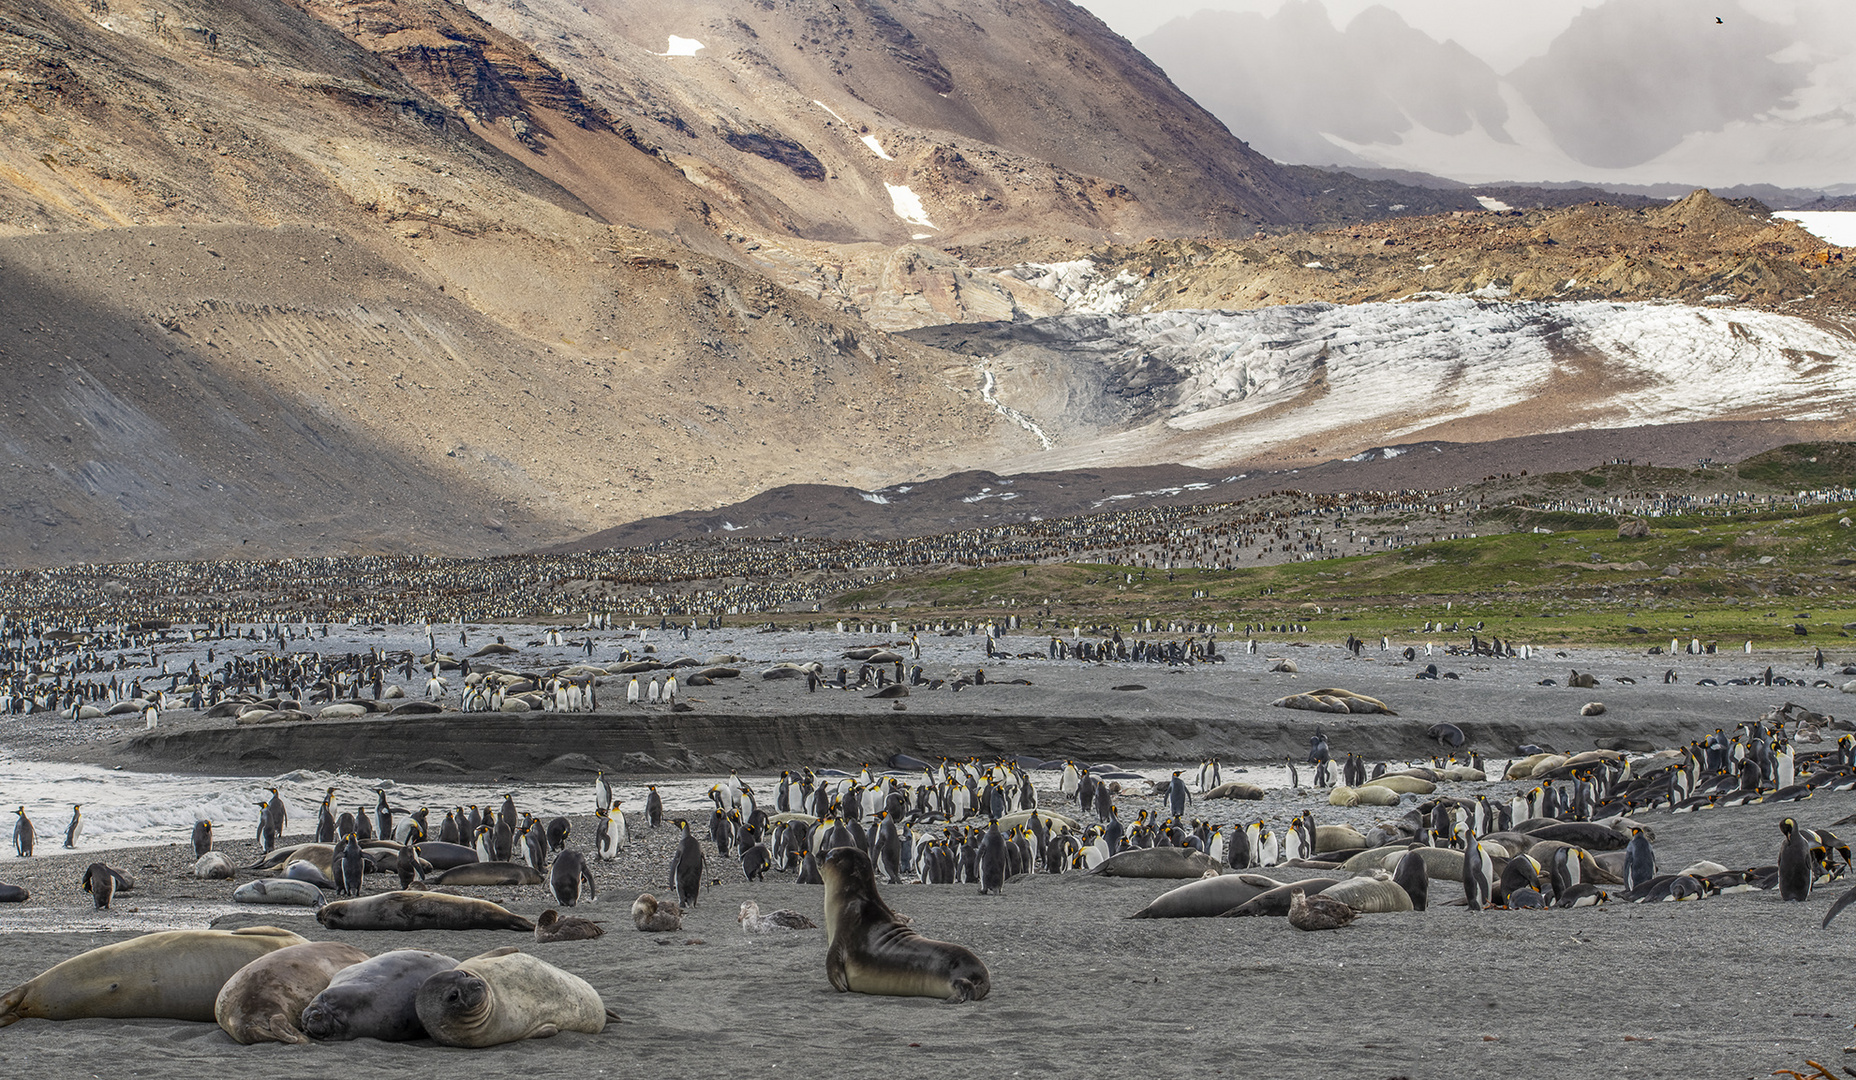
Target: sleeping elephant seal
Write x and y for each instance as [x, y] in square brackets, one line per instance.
[419, 911]
[1159, 862]
[1370, 894]
[488, 873]
[263, 1001]
[869, 951]
[1236, 789]
[1207, 898]
[444, 856]
[505, 996]
[1276, 901]
[173, 975]
[13, 894]
[375, 999]
[278, 891]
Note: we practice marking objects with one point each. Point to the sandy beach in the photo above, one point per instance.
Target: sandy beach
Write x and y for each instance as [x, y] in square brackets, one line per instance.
[1734, 985]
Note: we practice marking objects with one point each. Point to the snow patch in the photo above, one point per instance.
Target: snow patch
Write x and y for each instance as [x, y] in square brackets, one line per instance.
[729, 526]
[871, 496]
[1492, 204]
[828, 109]
[1831, 226]
[682, 46]
[877, 149]
[908, 205]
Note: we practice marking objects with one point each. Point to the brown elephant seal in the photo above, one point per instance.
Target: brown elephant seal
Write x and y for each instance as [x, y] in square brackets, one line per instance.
[867, 950]
[374, 999]
[1236, 789]
[1276, 901]
[263, 1001]
[172, 975]
[505, 996]
[1157, 862]
[1207, 898]
[1318, 912]
[419, 911]
[488, 873]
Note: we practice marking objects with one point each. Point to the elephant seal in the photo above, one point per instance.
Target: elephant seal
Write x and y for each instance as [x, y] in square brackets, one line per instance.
[172, 975]
[1236, 789]
[1157, 863]
[1338, 838]
[262, 1002]
[1276, 901]
[419, 911]
[1396, 782]
[14, 894]
[307, 873]
[213, 866]
[1370, 894]
[488, 873]
[374, 999]
[505, 996]
[1207, 898]
[278, 891]
[445, 856]
[1447, 734]
[869, 951]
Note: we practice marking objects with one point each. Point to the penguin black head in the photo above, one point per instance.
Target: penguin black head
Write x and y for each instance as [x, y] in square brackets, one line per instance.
[1787, 826]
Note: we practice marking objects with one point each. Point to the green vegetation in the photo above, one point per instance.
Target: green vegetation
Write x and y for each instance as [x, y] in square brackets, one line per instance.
[1729, 580]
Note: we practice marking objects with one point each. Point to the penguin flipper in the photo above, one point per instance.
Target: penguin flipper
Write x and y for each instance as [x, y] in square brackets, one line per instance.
[1843, 901]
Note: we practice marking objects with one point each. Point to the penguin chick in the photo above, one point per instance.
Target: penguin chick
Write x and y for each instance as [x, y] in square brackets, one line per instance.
[653, 917]
[753, 922]
[551, 926]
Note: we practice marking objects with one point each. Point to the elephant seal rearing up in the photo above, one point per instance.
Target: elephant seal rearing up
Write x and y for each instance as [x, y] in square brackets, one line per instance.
[173, 975]
[867, 950]
[504, 996]
[262, 1002]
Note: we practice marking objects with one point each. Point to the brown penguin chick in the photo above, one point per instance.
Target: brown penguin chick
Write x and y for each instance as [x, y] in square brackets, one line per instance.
[653, 917]
[753, 922]
[1317, 912]
[550, 926]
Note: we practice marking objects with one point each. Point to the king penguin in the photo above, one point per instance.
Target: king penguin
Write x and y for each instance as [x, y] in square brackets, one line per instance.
[23, 835]
[74, 831]
[1795, 864]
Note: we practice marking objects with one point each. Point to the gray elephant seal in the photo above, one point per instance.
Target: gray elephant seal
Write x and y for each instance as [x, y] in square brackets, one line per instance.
[173, 975]
[278, 891]
[375, 999]
[1157, 863]
[869, 951]
[1276, 901]
[263, 1001]
[505, 996]
[488, 873]
[1370, 894]
[419, 911]
[1207, 898]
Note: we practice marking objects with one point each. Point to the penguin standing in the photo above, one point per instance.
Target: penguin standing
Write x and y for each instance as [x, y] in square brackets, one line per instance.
[570, 875]
[602, 793]
[74, 831]
[1177, 796]
[349, 862]
[383, 815]
[1414, 877]
[1639, 861]
[1796, 869]
[686, 868]
[408, 866]
[23, 835]
[1478, 870]
[992, 860]
[202, 838]
[654, 808]
[609, 837]
[100, 883]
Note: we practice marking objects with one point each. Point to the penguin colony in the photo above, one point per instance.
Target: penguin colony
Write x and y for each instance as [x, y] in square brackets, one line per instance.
[714, 576]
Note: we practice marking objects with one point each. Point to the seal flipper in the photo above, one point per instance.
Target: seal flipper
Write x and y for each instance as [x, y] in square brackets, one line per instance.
[9, 1005]
[280, 1028]
[1843, 901]
[612, 1015]
[501, 950]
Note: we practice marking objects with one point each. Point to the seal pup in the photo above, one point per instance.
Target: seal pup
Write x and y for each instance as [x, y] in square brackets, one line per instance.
[375, 998]
[753, 922]
[1317, 912]
[171, 975]
[869, 951]
[506, 996]
[653, 916]
[551, 926]
[262, 1002]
